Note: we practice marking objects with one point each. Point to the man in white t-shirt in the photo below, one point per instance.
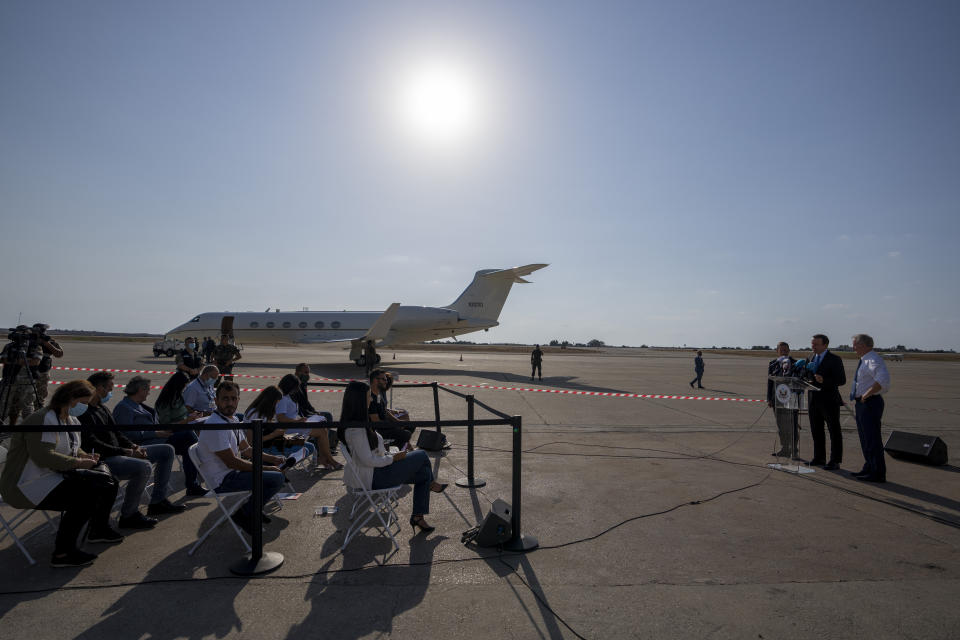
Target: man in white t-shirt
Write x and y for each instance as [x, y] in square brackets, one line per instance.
[224, 457]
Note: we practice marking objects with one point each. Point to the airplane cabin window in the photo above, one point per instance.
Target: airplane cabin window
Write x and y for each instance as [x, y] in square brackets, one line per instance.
[270, 325]
[286, 325]
[335, 324]
[303, 325]
[318, 324]
[254, 325]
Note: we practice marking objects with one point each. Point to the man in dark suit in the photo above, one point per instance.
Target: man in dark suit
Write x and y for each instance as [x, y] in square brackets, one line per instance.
[824, 405]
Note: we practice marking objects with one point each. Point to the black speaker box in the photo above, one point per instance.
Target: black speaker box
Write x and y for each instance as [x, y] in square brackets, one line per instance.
[431, 440]
[916, 448]
[496, 527]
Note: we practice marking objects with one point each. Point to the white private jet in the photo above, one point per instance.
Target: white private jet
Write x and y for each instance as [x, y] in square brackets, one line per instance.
[477, 308]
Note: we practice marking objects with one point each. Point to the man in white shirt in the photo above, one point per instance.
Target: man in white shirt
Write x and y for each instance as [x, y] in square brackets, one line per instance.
[224, 457]
[200, 395]
[870, 382]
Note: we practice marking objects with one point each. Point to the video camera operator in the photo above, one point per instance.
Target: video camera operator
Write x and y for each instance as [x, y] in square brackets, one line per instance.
[50, 347]
[20, 357]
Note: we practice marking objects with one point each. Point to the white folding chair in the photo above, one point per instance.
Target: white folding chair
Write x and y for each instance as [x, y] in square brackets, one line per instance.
[222, 499]
[10, 525]
[376, 503]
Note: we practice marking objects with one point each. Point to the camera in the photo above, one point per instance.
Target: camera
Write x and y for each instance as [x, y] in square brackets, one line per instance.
[21, 336]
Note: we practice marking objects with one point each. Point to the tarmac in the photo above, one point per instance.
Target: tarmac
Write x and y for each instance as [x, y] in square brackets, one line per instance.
[656, 518]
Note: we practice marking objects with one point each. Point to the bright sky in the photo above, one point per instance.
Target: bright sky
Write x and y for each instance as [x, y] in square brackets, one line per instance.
[701, 173]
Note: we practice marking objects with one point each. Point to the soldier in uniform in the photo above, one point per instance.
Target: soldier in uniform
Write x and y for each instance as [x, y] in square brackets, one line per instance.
[225, 355]
[17, 393]
[536, 362]
[50, 347]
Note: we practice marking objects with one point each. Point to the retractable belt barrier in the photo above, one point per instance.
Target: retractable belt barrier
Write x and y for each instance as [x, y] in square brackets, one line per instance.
[599, 394]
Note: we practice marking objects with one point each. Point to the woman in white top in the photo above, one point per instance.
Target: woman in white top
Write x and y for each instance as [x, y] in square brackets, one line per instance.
[47, 470]
[288, 413]
[374, 467]
[275, 441]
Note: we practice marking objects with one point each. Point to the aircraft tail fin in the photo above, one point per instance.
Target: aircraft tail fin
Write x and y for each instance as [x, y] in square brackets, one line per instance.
[483, 299]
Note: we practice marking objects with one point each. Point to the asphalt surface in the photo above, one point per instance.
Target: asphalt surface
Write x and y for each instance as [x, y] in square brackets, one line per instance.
[656, 517]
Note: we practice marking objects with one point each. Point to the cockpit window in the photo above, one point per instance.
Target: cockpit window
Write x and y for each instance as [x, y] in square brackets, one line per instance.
[197, 319]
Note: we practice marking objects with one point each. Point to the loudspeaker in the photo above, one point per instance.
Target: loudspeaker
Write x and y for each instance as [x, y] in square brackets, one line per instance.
[916, 448]
[496, 527]
[431, 440]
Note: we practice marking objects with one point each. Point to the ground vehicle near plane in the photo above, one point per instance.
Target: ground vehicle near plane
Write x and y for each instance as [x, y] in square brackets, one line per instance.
[476, 309]
[167, 347]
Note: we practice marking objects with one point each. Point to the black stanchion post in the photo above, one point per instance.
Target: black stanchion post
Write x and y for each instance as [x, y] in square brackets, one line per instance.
[470, 481]
[518, 542]
[436, 404]
[257, 561]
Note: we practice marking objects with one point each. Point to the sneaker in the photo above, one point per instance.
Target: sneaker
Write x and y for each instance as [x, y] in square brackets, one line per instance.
[164, 507]
[196, 491]
[108, 534]
[136, 521]
[75, 558]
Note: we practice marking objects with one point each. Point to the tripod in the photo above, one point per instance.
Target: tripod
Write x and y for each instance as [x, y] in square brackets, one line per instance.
[9, 381]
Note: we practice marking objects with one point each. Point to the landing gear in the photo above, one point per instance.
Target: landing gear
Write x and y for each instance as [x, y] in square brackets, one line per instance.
[362, 360]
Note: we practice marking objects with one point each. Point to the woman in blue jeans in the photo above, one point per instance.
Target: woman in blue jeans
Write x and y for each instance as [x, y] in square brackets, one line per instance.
[375, 468]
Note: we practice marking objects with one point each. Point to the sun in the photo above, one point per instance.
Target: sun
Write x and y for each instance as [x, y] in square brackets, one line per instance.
[439, 103]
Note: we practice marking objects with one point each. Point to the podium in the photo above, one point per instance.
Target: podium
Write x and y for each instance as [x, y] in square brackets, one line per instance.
[789, 395]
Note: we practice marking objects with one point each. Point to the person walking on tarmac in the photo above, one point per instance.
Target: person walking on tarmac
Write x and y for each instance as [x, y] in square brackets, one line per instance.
[698, 369]
[536, 362]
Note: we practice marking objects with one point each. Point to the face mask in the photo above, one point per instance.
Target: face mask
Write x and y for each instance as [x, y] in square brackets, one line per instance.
[210, 382]
[77, 410]
[106, 398]
[191, 345]
[304, 378]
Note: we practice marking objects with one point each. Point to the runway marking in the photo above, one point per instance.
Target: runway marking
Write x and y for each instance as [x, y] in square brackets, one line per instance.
[599, 394]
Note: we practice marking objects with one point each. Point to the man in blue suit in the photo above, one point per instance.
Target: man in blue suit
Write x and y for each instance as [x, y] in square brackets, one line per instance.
[698, 369]
[824, 403]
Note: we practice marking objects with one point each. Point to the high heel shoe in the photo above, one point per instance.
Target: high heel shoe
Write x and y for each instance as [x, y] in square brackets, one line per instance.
[436, 487]
[418, 521]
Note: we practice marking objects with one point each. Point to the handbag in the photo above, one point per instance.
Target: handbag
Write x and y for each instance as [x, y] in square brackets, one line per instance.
[98, 476]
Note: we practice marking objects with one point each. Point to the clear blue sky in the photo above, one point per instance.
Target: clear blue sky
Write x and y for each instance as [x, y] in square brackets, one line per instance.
[695, 173]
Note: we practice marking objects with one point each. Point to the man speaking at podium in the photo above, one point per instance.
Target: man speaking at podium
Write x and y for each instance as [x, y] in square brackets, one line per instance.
[824, 406]
[788, 420]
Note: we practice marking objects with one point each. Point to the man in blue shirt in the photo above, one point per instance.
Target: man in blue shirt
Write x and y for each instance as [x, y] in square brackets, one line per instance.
[132, 410]
[698, 369]
[200, 395]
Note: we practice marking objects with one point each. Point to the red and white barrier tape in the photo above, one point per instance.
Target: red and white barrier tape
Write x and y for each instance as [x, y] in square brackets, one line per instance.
[601, 394]
[166, 373]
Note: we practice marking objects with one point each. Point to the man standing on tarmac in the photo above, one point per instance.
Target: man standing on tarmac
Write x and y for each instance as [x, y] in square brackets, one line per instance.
[189, 360]
[788, 420]
[536, 362]
[870, 382]
[824, 405]
[698, 369]
[49, 347]
[225, 355]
